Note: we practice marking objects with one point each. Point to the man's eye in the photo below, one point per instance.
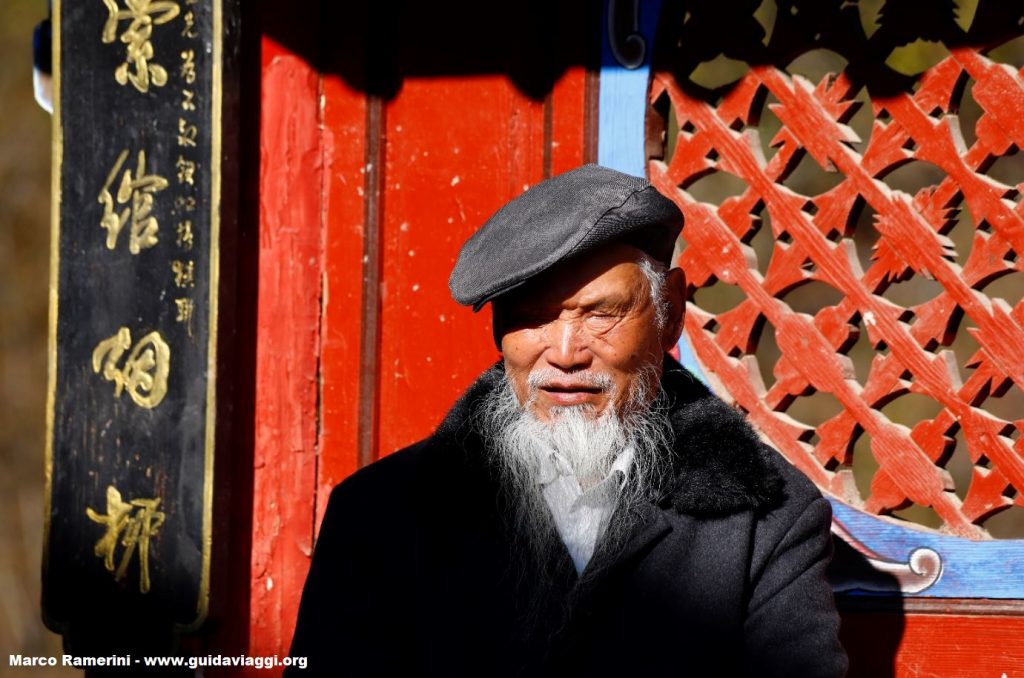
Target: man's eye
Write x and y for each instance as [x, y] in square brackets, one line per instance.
[600, 320]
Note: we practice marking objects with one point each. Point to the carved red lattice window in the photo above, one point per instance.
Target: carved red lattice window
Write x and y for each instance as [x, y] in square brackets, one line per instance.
[863, 242]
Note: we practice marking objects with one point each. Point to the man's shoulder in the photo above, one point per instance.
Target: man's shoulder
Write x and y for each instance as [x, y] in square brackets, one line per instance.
[723, 465]
[392, 474]
[801, 508]
[797, 485]
[441, 462]
[798, 491]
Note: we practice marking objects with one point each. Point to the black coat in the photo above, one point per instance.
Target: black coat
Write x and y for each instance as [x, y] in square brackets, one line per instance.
[414, 572]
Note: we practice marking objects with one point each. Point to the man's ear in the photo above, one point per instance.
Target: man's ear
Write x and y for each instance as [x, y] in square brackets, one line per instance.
[675, 288]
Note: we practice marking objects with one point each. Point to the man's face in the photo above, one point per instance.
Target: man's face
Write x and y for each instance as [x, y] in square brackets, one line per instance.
[585, 333]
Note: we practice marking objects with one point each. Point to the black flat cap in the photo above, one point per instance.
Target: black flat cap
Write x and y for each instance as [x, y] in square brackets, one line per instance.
[558, 219]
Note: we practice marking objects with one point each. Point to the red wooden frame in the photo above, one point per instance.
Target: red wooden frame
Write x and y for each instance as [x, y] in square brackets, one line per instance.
[287, 346]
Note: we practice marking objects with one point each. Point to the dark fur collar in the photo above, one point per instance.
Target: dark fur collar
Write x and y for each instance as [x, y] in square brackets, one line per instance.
[719, 464]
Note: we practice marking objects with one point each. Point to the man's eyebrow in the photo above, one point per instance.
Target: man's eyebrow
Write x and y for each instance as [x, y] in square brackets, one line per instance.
[619, 304]
[604, 300]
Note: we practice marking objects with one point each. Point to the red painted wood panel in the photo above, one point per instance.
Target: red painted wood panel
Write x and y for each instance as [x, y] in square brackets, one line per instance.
[568, 110]
[288, 345]
[457, 149]
[933, 646]
[344, 150]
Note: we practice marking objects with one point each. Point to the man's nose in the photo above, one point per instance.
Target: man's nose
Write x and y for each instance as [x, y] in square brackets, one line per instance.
[567, 345]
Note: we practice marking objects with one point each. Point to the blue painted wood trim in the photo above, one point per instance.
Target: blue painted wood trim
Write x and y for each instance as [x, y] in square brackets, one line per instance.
[622, 97]
[622, 105]
[970, 569]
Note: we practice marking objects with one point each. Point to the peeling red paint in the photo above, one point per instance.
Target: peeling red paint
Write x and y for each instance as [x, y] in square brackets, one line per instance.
[288, 346]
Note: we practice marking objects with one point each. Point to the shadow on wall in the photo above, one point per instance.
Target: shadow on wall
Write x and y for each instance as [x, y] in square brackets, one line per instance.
[888, 43]
[374, 47]
[872, 625]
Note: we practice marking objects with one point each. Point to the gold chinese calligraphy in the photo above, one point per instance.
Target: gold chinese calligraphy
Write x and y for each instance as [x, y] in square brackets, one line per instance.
[143, 374]
[131, 525]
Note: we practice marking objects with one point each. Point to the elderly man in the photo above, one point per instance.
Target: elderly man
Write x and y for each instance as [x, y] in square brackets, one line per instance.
[587, 507]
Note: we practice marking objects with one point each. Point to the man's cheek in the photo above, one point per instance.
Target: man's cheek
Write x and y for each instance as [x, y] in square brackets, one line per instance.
[518, 379]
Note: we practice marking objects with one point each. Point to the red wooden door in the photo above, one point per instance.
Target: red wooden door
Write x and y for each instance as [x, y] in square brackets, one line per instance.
[369, 182]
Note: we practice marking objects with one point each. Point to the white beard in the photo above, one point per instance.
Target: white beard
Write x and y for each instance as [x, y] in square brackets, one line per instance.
[589, 443]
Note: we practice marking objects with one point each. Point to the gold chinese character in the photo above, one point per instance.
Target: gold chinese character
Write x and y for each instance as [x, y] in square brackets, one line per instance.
[185, 309]
[144, 373]
[184, 204]
[186, 171]
[129, 524]
[137, 193]
[186, 103]
[185, 235]
[188, 66]
[143, 14]
[184, 273]
[186, 133]
[189, 30]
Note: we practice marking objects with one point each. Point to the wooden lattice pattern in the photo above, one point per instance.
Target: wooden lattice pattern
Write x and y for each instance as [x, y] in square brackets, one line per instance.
[813, 241]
